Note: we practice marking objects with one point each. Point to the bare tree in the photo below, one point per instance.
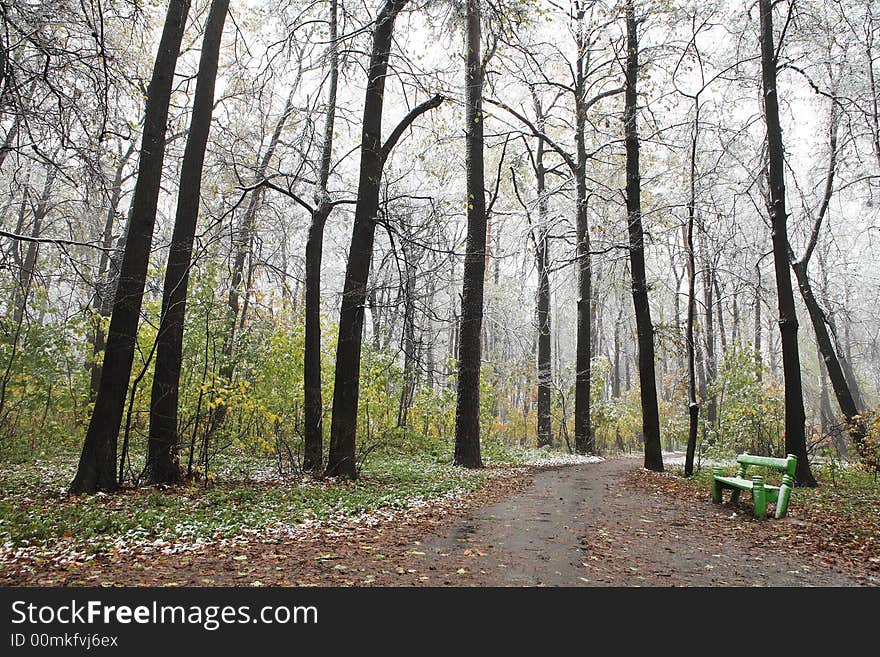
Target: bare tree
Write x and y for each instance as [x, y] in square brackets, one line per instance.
[467, 411]
[162, 466]
[644, 326]
[343, 428]
[795, 417]
[97, 465]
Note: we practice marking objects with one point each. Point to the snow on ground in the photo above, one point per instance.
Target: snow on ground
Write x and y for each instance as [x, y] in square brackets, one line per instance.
[551, 459]
[677, 458]
[68, 551]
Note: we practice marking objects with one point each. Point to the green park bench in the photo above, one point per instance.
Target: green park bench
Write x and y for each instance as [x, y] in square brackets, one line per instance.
[761, 492]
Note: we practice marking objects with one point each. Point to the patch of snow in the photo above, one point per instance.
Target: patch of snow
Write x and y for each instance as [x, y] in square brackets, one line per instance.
[63, 552]
[677, 458]
[562, 459]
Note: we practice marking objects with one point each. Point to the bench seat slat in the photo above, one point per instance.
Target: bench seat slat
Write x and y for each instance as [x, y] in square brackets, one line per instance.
[744, 484]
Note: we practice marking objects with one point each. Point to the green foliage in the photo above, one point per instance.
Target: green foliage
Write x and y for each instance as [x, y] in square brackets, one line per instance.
[617, 422]
[751, 414]
[868, 426]
[44, 387]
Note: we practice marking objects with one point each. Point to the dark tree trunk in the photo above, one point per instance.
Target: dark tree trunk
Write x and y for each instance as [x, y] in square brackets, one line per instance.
[710, 361]
[545, 373]
[408, 337]
[97, 464]
[108, 274]
[25, 275]
[843, 391]
[313, 452]
[467, 412]
[644, 326]
[542, 257]
[795, 438]
[845, 399]
[343, 426]
[759, 358]
[693, 405]
[826, 414]
[162, 466]
[583, 431]
[428, 335]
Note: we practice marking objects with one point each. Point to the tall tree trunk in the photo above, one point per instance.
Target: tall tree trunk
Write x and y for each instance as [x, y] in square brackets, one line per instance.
[313, 452]
[848, 402]
[795, 418]
[644, 326]
[29, 265]
[722, 332]
[97, 464]
[408, 337]
[26, 273]
[759, 358]
[615, 367]
[467, 412]
[583, 431]
[693, 404]
[839, 384]
[711, 359]
[108, 274]
[542, 257]
[428, 336]
[735, 332]
[826, 414]
[161, 466]
[343, 425]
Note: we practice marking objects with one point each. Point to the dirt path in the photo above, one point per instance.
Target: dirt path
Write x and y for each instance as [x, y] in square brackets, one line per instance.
[592, 525]
[599, 524]
[532, 539]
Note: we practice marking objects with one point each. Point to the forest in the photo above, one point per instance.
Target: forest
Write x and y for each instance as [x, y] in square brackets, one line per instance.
[298, 268]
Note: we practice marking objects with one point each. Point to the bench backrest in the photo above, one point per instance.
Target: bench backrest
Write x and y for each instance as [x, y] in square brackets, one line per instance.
[787, 465]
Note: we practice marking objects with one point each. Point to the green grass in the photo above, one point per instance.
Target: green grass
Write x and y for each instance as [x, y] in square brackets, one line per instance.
[849, 494]
[34, 510]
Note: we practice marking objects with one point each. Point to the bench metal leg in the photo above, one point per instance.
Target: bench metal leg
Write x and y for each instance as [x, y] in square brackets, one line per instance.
[716, 487]
[784, 495]
[759, 497]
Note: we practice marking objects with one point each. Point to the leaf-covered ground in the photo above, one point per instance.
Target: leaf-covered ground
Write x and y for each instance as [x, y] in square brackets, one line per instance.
[564, 522]
[42, 528]
[613, 524]
[837, 523]
[311, 551]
